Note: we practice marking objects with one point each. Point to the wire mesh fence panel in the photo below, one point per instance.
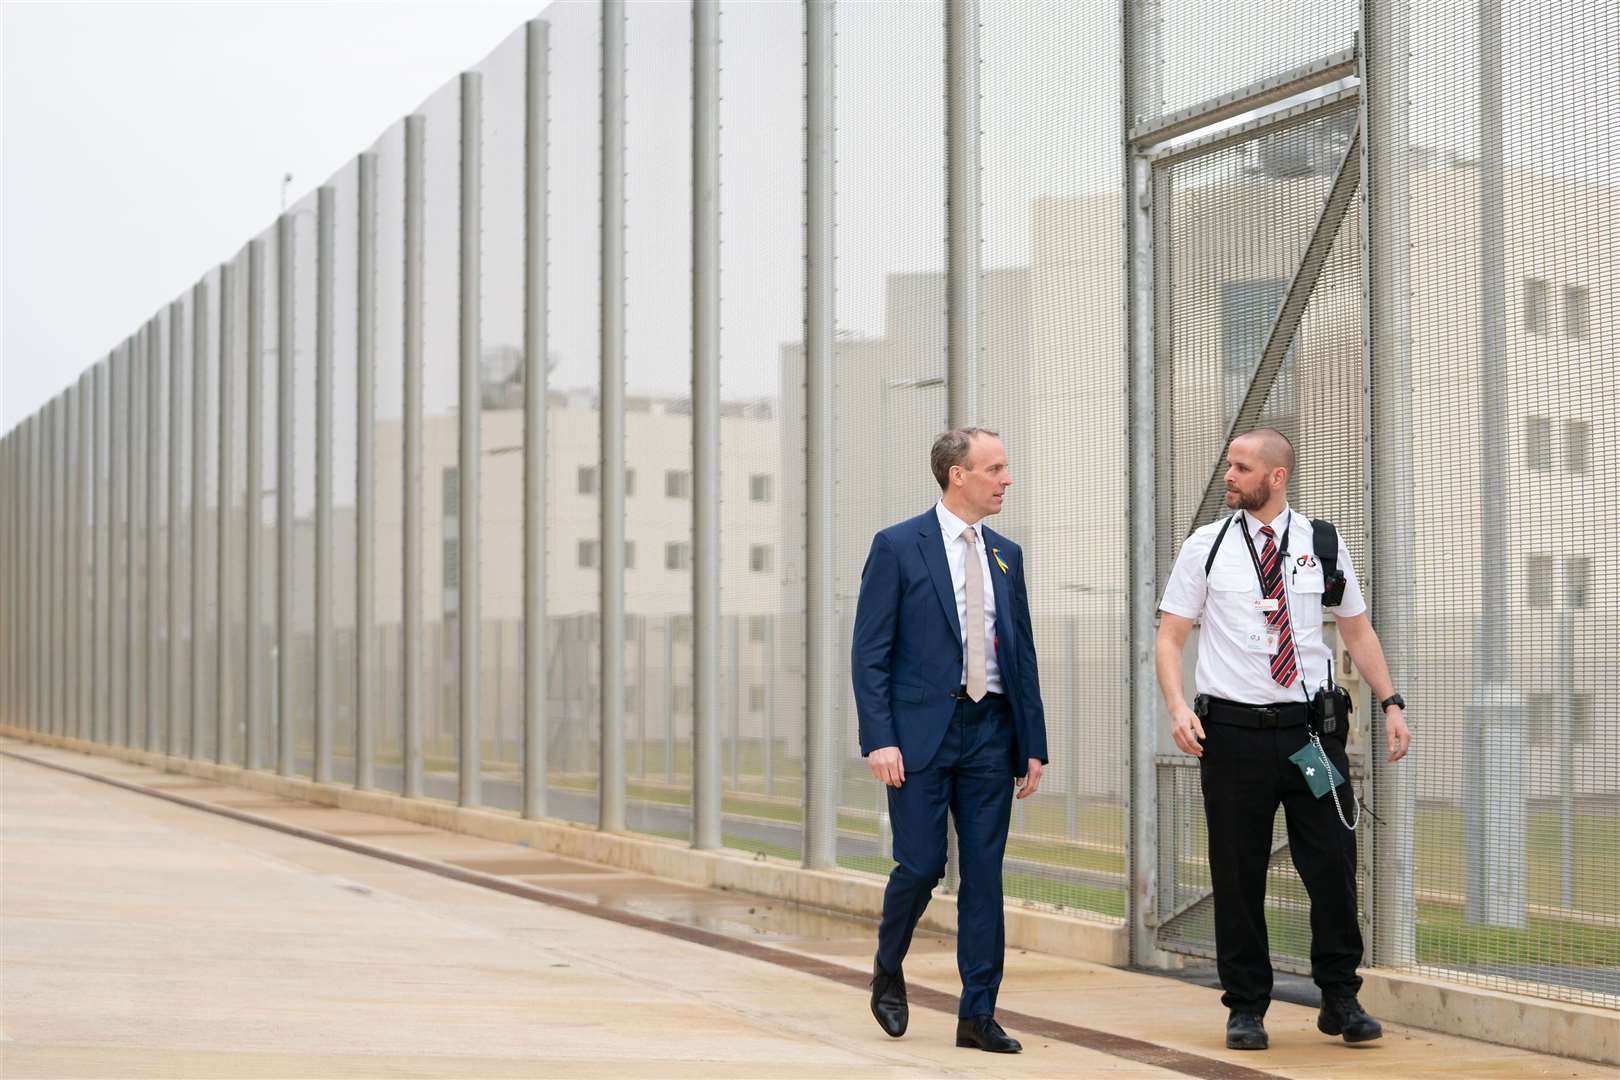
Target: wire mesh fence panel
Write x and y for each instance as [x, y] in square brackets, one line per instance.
[387, 681]
[762, 177]
[1502, 152]
[573, 515]
[503, 374]
[889, 357]
[264, 502]
[1052, 384]
[1192, 52]
[658, 477]
[439, 486]
[299, 708]
[343, 461]
[236, 512]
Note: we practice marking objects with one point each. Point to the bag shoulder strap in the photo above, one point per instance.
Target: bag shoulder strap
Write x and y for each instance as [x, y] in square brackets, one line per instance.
[1216, 546]
[1325, 545]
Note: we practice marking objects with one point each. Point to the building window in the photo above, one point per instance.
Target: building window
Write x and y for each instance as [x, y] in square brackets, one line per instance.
[1577, 573]
[1576, 435]
[632, 699]
[450, 491]
[629, 554]
[587, 480]
[681, 628]
[1535, 306]
[756, 698]
[678, 484]
[759, 558]
[678, 556]
[759, 488]
[1538, 583]
[1575, 321]
[1538, 442]
[1547, 713]
[759, 628]
[1582, 733]
[452, 562]
[683, 699]
[629, 482]
[589, 552]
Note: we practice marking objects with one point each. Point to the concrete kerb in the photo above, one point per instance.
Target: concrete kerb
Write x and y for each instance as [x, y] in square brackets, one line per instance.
[1528, 1023]
[1547, 1027]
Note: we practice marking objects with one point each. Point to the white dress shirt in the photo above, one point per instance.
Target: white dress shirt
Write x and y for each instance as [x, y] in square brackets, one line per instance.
[951, 529]
[1227, 603]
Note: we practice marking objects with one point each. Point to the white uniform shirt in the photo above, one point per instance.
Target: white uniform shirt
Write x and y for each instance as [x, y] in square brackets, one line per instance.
[1227, 602]
[951, 529]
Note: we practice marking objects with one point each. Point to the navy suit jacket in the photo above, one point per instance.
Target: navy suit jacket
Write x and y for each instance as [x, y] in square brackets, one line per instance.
[907, 654]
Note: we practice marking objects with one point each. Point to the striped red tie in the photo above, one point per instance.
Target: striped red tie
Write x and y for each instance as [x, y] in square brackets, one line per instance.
[1284, 664]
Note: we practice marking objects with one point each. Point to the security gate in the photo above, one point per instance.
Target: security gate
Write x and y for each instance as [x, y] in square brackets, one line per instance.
[1257, 320]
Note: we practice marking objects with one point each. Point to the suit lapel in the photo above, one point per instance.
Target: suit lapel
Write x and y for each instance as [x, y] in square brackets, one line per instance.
[932, 544]
[1004, 619]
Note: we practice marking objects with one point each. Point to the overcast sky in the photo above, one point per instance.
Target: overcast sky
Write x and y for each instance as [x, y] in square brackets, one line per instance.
[143, 143]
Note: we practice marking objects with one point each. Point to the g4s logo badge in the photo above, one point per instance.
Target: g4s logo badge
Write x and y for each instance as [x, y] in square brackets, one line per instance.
[1306, 561]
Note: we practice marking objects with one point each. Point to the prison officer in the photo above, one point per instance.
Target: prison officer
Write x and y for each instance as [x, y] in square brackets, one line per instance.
[1260, 656]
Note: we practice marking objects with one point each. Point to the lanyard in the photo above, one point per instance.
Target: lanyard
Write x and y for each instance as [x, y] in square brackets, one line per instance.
[1282, 549]
[1282, 568]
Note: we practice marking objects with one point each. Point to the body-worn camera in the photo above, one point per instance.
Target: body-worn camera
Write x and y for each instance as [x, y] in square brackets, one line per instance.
[1330, 710]
[1333, 590]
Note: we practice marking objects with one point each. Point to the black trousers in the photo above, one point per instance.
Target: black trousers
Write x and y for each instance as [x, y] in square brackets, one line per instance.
[1246, 774]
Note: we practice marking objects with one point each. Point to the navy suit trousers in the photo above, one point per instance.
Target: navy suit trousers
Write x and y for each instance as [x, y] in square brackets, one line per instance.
[972, 777]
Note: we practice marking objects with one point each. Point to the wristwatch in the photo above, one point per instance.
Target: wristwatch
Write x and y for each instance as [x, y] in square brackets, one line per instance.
[1393, 699]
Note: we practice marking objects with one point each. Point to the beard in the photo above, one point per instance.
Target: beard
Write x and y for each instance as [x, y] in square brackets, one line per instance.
[1238, 499]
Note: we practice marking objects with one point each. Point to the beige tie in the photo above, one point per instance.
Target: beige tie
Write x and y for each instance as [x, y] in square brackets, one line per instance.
[973, 632]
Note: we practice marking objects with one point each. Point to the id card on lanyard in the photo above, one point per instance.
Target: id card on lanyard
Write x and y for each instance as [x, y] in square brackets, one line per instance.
[1266, 639]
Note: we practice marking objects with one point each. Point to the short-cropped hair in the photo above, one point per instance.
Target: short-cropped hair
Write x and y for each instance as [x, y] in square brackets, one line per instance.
[951, 448]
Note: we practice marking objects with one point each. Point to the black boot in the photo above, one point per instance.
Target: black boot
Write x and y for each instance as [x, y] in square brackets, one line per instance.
[983, 1033]
[889, 1001]
[1345, 1016]
[1245, 1031]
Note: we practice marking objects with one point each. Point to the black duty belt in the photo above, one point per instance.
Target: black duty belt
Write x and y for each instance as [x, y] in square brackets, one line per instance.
[1237, 714]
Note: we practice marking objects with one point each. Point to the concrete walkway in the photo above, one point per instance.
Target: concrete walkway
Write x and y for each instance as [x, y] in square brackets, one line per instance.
[145, 938]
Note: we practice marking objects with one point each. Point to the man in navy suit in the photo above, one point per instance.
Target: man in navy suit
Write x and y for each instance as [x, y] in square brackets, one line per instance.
[950, 720]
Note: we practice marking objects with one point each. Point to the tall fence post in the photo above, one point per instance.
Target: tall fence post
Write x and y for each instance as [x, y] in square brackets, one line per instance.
[706, 579]
[177, 445]
[535, 345]
[1386, 226]
[411, 587]
[286, 509]
[325, 228]
[469, 621]
[1142, 841]
[199, 503]
[224, 705]
[365, 502]
[252, 750]
[822, 745]
[610, 782]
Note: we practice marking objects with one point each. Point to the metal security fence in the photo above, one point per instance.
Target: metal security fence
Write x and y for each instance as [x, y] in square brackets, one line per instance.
[531, 461]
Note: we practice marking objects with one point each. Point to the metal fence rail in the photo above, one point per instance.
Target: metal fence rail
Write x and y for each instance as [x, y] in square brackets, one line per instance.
[531, 460]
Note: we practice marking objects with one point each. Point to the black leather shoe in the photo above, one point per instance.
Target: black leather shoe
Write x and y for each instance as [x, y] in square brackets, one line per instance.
[1345, 1016]
[889, 1001]
[983, 1033]
[1246, 1031]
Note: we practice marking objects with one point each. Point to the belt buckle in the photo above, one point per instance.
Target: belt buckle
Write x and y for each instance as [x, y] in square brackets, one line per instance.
[1268, 716]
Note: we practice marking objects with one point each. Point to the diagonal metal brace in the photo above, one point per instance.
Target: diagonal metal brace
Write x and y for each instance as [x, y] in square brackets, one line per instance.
[1286, 324]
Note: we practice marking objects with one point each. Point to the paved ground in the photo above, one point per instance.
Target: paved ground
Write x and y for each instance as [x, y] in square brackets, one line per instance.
[142, 938]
